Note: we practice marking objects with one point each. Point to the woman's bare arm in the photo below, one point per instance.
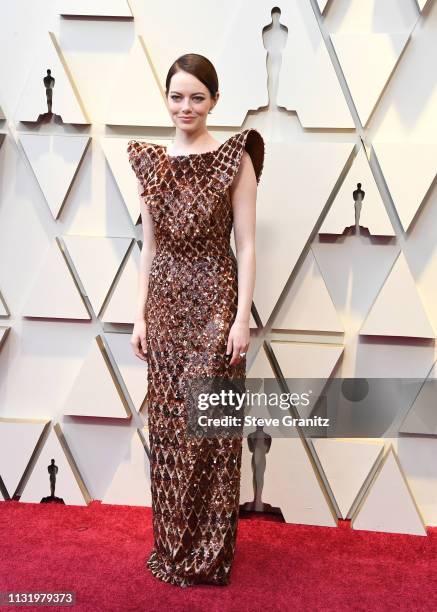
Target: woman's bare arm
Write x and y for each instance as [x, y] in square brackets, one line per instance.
[243, 193]
[147, 254]
[148, 251]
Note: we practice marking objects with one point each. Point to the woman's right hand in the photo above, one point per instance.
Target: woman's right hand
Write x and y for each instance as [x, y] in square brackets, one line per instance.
[138, 339]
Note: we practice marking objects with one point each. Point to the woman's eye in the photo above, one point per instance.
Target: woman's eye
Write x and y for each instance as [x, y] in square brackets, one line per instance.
[196, 98]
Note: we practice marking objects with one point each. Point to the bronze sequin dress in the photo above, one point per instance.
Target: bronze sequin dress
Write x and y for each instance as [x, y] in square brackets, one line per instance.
[191, 304]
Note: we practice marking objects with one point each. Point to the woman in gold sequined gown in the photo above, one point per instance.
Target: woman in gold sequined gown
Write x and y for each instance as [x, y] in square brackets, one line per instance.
[193, 319]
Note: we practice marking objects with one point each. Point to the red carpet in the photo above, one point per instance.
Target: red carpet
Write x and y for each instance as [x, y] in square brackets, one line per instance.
[100, 551]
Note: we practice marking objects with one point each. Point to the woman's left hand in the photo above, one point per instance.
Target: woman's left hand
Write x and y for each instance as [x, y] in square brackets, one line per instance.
[238, 341]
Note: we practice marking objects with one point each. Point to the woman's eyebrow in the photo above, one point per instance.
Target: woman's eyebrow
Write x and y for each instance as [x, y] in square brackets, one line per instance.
[197, 93]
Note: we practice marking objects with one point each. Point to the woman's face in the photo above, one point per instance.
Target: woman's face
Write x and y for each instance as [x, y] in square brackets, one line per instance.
[188, 101]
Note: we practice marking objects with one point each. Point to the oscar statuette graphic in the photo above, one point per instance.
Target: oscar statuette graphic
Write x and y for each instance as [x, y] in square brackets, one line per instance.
[49, 84]
[358, 195]
[259, 443]
[52, 499]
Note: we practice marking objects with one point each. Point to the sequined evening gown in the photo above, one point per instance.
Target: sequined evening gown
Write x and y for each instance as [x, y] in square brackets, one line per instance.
[191, 305]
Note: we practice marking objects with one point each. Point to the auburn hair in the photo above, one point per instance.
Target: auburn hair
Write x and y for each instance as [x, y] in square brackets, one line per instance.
[197, 65]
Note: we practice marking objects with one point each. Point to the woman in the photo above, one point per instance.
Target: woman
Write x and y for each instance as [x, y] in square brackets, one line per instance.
[193, 319]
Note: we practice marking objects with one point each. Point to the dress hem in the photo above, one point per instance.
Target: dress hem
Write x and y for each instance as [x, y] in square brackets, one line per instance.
[156, 567]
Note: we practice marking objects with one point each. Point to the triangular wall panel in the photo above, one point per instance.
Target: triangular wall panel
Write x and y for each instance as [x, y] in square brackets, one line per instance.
[133, 370]
[97, 260]
[307, 70]
[306, 359]
[409, 170]
[347, 464]
[421, 419]
[66, 101]
[131, 482]
[373, 215]
[119, 308]
[55, 160]
[18, 440]
[298, 203]
[368, 60]
[69, 483]
[96, 374]
[135, 96]
[308, 305]
[398, 310]
[354, 268]
[290, 482]
[389, 505]
[54, 293]
[306, 365]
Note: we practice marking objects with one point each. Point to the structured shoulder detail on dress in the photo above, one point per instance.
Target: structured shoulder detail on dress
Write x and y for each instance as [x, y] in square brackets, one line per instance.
[253, 143]
[142, 156]
[249, 140]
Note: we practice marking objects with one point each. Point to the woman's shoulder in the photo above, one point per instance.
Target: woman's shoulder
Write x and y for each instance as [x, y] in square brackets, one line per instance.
[143, 157]
[140, 147]
[249, 140]
[143, 154]
[248, 133]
